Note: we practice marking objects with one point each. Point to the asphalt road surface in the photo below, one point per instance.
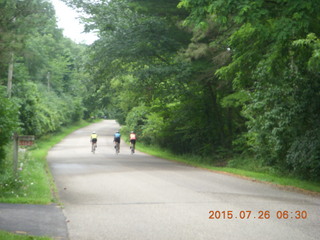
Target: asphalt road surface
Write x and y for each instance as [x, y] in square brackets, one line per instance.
[139, 197]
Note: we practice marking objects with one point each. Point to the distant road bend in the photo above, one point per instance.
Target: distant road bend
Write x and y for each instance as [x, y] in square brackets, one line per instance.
[140, 197]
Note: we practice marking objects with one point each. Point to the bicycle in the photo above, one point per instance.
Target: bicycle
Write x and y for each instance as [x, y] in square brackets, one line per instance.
[132, 148]
[133, 138]
[117, 147]
[93, 147]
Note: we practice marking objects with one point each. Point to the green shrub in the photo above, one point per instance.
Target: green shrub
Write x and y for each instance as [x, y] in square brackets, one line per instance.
[8, 122]
[136, 120]
[43, 111]
[304, 155]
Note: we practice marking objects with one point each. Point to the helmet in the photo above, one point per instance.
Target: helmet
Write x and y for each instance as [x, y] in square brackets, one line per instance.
[132, 131]
[94, 132]
[117, 131]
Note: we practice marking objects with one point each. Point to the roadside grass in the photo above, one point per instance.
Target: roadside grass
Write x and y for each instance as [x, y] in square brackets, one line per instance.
[11, 236]
[33, 183]
[240, 167]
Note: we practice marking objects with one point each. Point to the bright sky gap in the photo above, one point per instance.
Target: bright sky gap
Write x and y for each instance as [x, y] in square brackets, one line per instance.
[68, 20]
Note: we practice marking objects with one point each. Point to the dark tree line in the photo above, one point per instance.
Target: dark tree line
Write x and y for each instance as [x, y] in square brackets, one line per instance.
[40, 72]
[211, 78]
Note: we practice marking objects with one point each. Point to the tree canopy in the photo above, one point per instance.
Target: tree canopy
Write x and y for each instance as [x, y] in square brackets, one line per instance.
[45, 87]
[210, 78]
[273, 46]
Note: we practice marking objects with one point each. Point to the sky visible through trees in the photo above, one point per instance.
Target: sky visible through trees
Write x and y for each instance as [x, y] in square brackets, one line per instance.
[208, 78]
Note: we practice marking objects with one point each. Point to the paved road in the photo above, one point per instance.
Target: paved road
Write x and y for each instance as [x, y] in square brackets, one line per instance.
[38, 220]
[139, 197]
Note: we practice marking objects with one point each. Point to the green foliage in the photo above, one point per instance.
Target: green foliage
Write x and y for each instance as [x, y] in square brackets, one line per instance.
[23, 184]
[275, 60]
[18, 19]
[304, 155]
[136, 120]
[48, 71]
[311, 46]
[153, 129]
[8, 122]
[147, 76]
[12, 236]
[276, 111]
[239, 76]
[247, 167]
[43, 111]
[147, 123]
[33, 183]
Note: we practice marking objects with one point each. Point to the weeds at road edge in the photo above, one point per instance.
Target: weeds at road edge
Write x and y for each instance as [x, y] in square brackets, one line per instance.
[253, 173]
[33, 183]
[12, 236]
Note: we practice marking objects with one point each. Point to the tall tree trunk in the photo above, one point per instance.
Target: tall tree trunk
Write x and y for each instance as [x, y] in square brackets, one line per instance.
[10, 74]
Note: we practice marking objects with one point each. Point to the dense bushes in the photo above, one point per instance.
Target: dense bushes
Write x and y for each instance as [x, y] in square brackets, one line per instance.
[8, 122]
[304, 155]
[42, 111]
[46, 68]
[241, 77]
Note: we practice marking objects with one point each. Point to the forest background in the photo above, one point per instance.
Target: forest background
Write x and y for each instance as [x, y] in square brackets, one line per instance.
[215, 79]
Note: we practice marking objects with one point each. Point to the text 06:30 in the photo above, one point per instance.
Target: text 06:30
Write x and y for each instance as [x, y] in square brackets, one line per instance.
[262, 214]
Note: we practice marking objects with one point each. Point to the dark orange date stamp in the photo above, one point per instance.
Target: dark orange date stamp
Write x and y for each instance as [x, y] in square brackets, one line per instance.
[262, 214]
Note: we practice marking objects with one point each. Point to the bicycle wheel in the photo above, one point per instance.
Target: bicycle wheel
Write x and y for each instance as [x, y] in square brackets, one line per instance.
[94, 146]
[117, 148]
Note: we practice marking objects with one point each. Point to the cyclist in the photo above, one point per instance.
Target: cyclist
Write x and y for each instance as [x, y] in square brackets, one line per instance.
[133, 139]
[93, 140]
[116, 140]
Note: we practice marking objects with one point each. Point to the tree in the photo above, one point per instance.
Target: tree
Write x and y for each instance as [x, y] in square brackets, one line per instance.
[8, 121]
[271, 61]
[18, 19]
[44, 62]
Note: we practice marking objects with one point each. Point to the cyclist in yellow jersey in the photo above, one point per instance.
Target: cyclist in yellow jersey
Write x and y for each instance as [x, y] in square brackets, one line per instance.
[93, 140]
